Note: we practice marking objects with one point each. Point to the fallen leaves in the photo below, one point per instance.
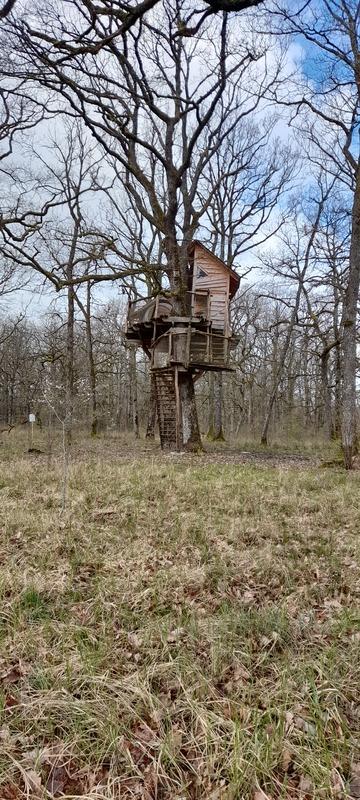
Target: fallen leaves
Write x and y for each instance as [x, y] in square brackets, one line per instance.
[33, 781]
[149, 708]
[286, 759]
[306, 787]
[304, 725]
[10, 792]
[337, 784]
[11, 700]
[13, 673]
[175, 635]
[57, 780]
[354, 784]
[103, 513]
[295, 721]
[135, 641]
[269, 642]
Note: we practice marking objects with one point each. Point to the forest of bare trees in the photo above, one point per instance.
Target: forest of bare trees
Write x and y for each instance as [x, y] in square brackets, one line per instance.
[129, 130]
[299, 365]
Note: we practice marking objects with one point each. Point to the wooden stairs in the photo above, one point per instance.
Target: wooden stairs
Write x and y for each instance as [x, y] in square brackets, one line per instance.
[165, 391]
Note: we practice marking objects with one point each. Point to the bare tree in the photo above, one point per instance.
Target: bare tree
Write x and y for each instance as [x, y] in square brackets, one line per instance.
[142, 242]
[332, 100]
[62, 248]
[152, 85]
[245, 181]
[296, 264]
[86, 310]
[324, 293]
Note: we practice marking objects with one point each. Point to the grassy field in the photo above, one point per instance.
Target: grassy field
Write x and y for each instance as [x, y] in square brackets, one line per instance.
[188, 628]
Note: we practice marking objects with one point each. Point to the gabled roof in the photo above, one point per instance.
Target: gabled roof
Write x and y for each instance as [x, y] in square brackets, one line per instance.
[234, 277]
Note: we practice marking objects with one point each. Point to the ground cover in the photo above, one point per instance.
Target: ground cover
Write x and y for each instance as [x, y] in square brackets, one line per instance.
[188, 628]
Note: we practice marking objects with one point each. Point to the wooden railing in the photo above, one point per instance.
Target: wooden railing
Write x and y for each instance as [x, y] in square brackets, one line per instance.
[189, 346]
[201, 305]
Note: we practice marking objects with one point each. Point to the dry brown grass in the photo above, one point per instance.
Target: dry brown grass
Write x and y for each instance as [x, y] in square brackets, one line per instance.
[186, 630]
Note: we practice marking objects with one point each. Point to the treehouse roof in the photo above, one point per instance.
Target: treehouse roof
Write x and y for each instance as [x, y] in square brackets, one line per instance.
[234, 277]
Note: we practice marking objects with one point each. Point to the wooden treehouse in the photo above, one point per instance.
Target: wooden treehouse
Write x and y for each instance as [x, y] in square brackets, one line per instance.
[199, 341]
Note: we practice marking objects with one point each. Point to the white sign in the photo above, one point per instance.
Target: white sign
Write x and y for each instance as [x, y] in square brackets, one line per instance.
[32, 418]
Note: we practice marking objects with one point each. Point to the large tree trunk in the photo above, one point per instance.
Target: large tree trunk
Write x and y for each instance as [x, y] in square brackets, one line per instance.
[215, 430]
[348, 432]
[191, 439]
[178, 265]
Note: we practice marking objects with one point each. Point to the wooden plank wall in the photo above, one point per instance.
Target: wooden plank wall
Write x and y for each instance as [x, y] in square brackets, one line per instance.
[217, 281]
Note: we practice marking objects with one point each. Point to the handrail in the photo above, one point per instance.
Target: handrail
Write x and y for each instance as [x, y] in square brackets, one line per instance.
[200, 292]
[201, 297]
[206, 355]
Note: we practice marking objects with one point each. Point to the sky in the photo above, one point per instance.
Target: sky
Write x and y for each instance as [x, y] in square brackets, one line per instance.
[42, 299]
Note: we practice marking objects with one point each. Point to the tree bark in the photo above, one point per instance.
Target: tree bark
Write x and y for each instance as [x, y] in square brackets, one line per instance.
[91, 362]
[326, 394]
[294, 316]
[120, 402]
[218, 404]
[178, 265]
[191, 439]
[69, 368]
[279, 371]
[134, 391]
[70, 349]
[307, 392]
[211, 412]
[151, 420]
[348, 432]
[336, 429]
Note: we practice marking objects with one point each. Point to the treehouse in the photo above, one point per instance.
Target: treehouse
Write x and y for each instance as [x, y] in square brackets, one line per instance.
[202, 338]
[199, 339]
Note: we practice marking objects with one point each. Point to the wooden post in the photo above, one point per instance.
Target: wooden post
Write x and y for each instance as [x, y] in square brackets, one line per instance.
[192, 304]
[154, 333]
[127, 316]
[156, 306]
[207, 334]
[178, 409]
[208, 309]
[188, 345]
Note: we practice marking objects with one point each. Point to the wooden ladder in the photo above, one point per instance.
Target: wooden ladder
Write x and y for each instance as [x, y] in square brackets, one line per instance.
[165, 391]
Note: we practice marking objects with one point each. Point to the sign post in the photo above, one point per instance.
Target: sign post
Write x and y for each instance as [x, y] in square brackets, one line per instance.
[32, 419]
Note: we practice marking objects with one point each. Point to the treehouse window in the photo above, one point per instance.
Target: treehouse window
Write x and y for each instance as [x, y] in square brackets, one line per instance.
[201, 274]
